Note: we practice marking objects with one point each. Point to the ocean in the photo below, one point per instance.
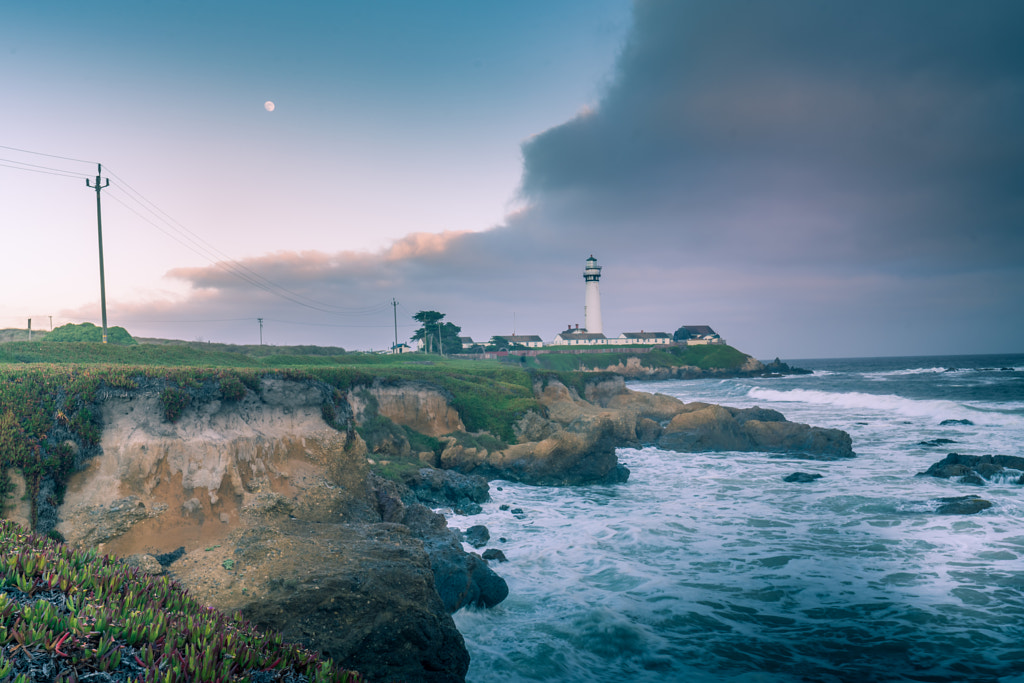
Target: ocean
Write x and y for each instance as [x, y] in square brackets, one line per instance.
[709, 567]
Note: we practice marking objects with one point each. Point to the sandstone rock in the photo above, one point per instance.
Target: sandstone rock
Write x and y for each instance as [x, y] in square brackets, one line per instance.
[423, 407]
[647, 431]
[533, 427]
[715, 428]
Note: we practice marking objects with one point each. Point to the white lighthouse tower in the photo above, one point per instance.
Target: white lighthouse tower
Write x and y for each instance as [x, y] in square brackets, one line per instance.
[592, 302]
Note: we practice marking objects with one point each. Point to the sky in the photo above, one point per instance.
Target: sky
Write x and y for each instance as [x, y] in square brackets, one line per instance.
[810, 179]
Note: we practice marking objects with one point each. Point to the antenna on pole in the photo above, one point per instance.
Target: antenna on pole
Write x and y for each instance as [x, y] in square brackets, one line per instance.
[99, 185]
[394, 306]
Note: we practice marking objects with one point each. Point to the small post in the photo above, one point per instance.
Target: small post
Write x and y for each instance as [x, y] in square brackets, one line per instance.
[99, 232]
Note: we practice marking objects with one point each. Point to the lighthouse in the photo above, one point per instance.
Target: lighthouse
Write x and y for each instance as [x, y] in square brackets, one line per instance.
[592, 302]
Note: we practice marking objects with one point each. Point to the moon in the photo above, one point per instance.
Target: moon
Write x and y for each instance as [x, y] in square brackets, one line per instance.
[268, 105]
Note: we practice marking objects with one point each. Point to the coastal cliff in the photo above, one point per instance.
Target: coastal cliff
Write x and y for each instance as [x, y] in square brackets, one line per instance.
[265, 497]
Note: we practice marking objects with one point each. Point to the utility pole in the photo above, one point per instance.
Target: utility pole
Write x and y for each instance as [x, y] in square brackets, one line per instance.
[261, 330]
[99, 231]
[440, 343]
[394, 306]
[30, 329]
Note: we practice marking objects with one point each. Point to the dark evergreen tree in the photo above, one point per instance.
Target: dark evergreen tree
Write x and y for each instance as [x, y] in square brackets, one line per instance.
[435, 335]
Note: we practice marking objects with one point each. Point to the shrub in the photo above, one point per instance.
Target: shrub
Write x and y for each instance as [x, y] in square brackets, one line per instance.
[231, 388]
[87, 332]
[174, 402]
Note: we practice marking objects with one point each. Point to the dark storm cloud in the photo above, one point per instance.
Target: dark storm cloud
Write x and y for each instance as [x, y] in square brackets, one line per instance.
[879, 132]
[848, 166]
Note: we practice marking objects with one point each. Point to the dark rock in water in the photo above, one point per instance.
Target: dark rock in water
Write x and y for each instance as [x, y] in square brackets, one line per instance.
[802, 477]
[946, 423]
[619, 475]
[477, 536]
[778, 367]
[503, 506]
[973, 469]
[495, 554]
[935, 443]
[461, 579]
[962, 505]
[517, 511]
[462, 492]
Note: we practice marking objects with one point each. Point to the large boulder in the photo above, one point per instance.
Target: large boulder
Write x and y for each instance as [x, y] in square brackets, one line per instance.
[362, 594]
[717, 428]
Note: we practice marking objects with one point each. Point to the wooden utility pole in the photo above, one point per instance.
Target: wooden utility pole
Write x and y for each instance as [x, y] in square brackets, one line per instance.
[99, 231]
[394, 306]
[261, 330]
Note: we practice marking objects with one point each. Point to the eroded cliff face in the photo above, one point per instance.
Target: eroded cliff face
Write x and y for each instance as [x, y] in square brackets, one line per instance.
[157, 485]
[276, 514]
[418, 406]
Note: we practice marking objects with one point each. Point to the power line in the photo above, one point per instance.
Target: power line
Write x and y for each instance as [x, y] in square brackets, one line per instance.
[22, 166]
[41, 154]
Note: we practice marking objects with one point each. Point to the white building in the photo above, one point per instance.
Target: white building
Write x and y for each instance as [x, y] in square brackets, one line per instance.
[641, 337]
[592, 300]
[579, 337]
[530, 341]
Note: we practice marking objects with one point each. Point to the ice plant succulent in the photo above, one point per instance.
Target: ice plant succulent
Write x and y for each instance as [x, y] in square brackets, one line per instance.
[67, 614]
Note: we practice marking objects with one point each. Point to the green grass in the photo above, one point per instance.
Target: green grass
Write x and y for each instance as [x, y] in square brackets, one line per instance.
[705, 357]
[81, 614]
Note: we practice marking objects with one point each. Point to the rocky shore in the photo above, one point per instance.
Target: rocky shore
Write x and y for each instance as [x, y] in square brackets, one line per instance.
[268, 504]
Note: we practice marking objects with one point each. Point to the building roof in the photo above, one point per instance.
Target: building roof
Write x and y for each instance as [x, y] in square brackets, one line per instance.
[645, 335]
[574, 334]
[520, 338]
[701, 330]
[467, 340]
